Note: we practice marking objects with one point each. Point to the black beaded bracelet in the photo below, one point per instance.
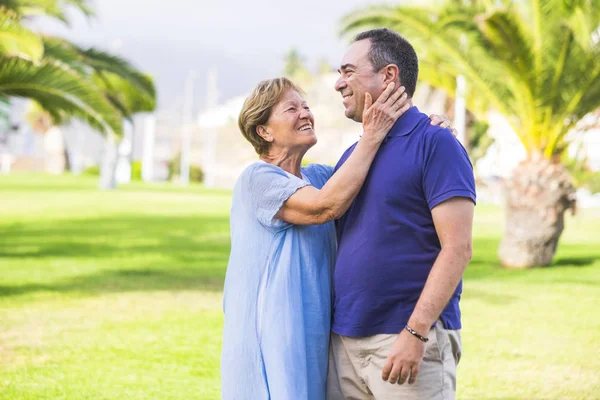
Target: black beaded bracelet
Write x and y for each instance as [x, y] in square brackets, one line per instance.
[416, 334]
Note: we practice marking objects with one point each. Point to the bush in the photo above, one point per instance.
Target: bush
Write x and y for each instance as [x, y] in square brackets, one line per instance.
[594, 183]
[136, 171]
[196, 172]
[93, 170]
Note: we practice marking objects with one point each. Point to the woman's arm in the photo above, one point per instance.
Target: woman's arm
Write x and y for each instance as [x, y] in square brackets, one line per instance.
[313, 206]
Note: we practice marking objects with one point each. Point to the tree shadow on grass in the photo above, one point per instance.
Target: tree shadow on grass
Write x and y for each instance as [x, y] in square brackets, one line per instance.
[124, 281]
[136, 252]
[103, 237]
[120, 253]
[485, 265]
[575, 261]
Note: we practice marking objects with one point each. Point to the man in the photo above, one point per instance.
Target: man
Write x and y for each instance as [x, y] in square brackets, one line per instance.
[402, 246]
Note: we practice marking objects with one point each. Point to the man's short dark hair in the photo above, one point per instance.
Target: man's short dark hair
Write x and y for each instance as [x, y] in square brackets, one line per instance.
[388, 47]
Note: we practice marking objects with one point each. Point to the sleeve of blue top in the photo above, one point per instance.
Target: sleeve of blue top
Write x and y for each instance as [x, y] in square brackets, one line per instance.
[326, 171]
[321, 172]
[447, 170]
[269, 187]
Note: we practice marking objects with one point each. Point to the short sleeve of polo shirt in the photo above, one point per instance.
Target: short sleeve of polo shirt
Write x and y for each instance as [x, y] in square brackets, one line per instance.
[447, 170]
[269, 187]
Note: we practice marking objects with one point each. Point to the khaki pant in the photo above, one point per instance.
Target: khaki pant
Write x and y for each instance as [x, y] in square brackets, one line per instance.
[355, 366]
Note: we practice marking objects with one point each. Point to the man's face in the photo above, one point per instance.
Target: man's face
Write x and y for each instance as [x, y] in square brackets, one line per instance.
[356, 78]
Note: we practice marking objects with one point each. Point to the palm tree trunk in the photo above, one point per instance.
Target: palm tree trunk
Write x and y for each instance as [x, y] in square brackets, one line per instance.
[108, 168]
[66, 155]
[55, 147]
[537, 197]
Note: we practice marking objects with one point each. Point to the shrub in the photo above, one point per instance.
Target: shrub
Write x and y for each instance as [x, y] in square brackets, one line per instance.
[93, 170]
[594, 183]
[136, 171]
[196, 172]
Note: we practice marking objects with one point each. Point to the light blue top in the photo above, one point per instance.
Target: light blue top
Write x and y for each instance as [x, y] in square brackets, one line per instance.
[277, 297]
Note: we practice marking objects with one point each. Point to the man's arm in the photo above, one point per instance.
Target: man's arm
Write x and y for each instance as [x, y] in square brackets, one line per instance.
[453, 220]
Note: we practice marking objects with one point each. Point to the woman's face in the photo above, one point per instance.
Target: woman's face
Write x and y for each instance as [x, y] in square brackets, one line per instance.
[291, 125]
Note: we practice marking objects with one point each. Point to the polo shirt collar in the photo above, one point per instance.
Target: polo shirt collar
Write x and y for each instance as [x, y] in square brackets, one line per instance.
[406, 123]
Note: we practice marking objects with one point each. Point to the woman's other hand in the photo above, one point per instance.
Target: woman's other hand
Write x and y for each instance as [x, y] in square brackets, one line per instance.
[444, 122]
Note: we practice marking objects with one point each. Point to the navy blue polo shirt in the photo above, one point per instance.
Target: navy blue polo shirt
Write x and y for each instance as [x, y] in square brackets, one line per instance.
[387, 242]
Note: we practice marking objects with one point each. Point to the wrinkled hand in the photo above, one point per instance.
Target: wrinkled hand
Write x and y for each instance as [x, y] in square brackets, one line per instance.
[379, 117]
[443, 121]
[404, 359]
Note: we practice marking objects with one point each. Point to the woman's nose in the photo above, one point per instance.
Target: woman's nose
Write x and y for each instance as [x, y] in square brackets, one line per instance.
[304, 114]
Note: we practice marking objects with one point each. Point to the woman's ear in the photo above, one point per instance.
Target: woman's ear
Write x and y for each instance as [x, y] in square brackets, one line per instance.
[264, 133]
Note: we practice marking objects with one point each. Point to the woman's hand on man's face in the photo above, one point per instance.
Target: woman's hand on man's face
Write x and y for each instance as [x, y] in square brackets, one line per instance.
[380, 116]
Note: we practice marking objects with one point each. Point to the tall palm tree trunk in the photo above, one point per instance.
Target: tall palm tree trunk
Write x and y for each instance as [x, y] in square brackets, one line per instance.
[537, 197]
[108, 167]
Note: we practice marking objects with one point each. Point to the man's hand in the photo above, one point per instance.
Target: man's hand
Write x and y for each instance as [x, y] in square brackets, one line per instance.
[443, 121]
[404, 359]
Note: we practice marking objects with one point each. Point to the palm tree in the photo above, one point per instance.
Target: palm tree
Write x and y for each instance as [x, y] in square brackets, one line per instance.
[538, 63]
[295, 68]
[69, 81]
[24, 72]
[128, 90]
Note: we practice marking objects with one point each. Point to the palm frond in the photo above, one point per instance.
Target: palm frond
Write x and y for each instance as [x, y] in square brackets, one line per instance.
[59, 90]
[124, 95]
[419, 26]
[437, 75]
[537, 61]
[89, 61]
[101, 62]
[11, 7]
[61, 50]
[590, 100]
[82, 5]
[583, 20]
[126, 88]
[4, 112]
[584, 102]
[16, 40]
[50, 8]
[508, 41]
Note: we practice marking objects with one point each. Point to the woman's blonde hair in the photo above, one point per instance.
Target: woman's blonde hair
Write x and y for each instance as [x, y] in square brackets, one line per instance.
[258, 107]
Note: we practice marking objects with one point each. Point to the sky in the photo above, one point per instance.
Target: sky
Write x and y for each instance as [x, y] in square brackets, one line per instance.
[244, 40]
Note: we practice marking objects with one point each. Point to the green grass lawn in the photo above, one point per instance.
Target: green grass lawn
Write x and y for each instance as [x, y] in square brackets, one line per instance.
[117, 295]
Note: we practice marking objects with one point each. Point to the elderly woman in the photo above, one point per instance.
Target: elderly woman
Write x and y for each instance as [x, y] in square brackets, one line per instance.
[277, 296]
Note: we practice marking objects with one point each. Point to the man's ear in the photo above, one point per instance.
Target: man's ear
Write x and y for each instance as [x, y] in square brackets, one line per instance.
[391, 73]
[264, 133]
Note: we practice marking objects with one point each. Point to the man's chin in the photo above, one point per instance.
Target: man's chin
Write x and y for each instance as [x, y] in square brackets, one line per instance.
[350, 113]
[353, 115]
